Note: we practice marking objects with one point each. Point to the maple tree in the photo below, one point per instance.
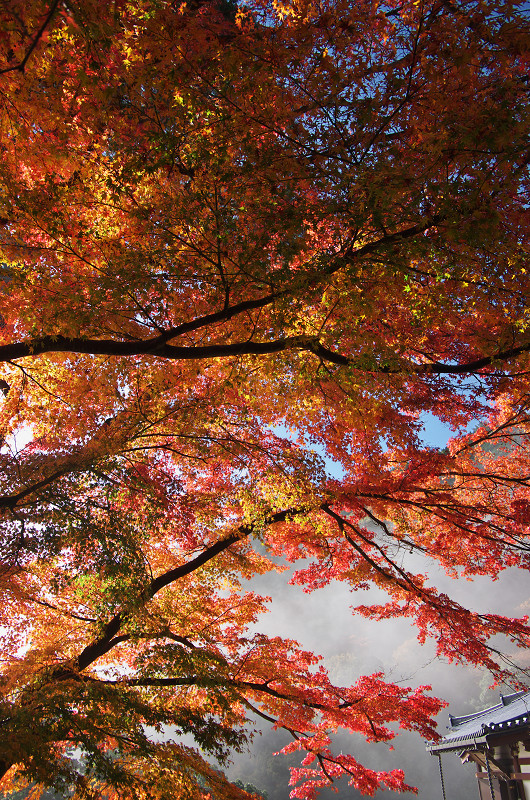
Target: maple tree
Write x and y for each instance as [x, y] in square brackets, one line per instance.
[219, 222]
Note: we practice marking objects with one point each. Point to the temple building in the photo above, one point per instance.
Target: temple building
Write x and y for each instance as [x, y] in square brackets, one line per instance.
[497, 742]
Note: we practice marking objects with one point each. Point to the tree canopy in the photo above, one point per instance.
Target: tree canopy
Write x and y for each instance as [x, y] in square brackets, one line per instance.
[234, 237]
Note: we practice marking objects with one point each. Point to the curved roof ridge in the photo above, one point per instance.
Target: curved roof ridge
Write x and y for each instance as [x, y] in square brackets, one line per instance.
[505, 700]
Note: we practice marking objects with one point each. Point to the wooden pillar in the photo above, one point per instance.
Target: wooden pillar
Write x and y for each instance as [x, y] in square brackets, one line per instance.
[517, 769]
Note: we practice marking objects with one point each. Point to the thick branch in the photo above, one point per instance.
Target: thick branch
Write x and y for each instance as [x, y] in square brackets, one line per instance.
[12, 500]
[155, 346]
[433, 368]
[109, 637]
[158, 345]
[438, 368]
[38, 36]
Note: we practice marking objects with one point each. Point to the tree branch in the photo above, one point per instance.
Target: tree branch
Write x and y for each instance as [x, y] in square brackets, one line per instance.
[159, 348]
[158, 345]
[22, 64]
[109, 637]
[11, 501]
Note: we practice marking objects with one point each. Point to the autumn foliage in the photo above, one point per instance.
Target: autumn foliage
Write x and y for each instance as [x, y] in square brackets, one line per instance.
[234, 237]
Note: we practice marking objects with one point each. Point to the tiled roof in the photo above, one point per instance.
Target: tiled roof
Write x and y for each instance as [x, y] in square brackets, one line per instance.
[512, 713]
